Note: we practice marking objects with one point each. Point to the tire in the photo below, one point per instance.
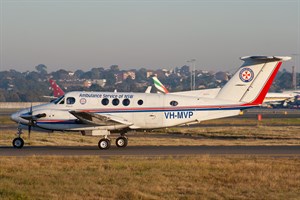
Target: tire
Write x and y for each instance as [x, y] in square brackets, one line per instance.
[18, 143]
[104, 144]
[122, 141]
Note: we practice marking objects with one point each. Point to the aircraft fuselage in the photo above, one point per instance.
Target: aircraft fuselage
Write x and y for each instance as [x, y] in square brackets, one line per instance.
[140, 110]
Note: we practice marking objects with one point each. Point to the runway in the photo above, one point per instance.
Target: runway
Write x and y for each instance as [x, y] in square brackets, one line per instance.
[151, 151]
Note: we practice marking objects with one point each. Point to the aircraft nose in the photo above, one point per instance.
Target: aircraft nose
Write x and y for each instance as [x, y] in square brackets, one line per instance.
[15, 117]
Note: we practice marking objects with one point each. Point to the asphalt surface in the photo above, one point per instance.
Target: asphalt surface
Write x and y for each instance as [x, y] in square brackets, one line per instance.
[280, 151]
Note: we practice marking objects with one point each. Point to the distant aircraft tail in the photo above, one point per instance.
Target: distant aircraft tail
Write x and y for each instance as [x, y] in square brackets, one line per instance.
[253, 79]
[159, 86]
[57, 91]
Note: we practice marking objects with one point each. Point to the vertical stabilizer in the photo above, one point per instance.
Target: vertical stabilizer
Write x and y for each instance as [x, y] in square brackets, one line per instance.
[253, 79]
[57, 91]
[159, 86]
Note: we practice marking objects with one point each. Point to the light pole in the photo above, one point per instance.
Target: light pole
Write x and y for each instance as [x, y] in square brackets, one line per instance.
[296, 62]
[193, 74]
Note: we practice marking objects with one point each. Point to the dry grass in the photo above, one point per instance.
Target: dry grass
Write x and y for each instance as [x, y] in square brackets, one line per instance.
[5, 120]
[253, 121]
[193, 177]
[201, 177]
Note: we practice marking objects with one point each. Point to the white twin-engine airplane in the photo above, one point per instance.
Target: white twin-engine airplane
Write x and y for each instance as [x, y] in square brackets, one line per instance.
[99, 113]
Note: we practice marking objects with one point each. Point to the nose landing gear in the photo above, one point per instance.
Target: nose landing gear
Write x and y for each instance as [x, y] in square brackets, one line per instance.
[18, 142]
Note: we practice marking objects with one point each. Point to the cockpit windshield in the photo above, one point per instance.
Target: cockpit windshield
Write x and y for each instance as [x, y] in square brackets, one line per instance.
[58, 99]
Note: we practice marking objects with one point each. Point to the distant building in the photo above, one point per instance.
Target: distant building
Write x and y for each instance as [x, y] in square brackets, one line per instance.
[149, 73]
[100, 82]
[129, 73]
[120, 77]
[87, 83]
[221, 76]
[159, 73]
[70, 73]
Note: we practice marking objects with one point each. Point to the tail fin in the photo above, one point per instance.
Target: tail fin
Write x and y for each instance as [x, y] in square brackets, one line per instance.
[159, 86]
[57, 91]
[148, 90]
[253, 79]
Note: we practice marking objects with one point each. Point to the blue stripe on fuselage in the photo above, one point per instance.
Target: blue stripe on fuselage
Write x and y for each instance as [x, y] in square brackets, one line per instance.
[174, 110]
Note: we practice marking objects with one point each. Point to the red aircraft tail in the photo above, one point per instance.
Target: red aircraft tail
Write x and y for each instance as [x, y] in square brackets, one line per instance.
[57, 91]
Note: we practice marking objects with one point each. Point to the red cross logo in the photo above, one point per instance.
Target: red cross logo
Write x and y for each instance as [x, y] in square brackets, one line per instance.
[246, 75]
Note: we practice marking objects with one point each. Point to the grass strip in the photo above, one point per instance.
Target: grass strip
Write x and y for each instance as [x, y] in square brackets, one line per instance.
[194, 177]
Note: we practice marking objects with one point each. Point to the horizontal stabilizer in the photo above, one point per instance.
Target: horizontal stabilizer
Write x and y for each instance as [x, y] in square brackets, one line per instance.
[265, 58]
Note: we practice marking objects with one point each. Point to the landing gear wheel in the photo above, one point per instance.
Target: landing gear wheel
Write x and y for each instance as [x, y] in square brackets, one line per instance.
[104, 144]
[122, 141]
[18, 143]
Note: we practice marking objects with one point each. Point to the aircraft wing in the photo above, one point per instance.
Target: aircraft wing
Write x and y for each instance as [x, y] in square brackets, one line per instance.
[99, 119]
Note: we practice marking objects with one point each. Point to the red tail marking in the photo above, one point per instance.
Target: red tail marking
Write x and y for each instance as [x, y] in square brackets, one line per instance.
[266, 88]
[57, 91]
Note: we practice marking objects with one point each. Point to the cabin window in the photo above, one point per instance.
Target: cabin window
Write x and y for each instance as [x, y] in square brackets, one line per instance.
[140, 102]
[105, 101]
[173, 103]
[70, 100]
[126, 102]
[115, 102]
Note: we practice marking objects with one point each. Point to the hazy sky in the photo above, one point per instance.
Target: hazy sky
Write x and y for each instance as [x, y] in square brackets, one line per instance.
[144, 33]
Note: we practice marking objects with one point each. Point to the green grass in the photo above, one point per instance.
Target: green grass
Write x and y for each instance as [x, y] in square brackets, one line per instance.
[194, 177]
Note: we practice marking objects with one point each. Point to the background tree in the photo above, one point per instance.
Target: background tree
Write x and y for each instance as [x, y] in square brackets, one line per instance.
[284, 80]
[141, 75]
[41, 68]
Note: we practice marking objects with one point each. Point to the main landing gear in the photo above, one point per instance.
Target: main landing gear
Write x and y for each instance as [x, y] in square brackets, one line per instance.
[18, 142]
[122, 141]
[105, 143]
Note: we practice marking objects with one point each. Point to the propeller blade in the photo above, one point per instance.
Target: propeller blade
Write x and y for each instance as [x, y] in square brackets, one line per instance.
[29, 131]
[30, 111]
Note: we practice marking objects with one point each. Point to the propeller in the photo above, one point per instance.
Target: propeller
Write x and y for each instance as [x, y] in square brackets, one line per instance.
[30, 122]
[31, 119]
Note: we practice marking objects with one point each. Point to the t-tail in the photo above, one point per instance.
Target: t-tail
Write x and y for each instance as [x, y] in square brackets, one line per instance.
[253, 79]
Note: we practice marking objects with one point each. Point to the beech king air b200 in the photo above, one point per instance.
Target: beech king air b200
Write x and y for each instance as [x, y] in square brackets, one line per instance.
[100, 113]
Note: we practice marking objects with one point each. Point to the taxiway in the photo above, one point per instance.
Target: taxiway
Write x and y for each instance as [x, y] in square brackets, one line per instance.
[151, 150]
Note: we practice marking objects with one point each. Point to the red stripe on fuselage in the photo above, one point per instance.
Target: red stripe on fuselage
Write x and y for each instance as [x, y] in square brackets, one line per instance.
[162, 109]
